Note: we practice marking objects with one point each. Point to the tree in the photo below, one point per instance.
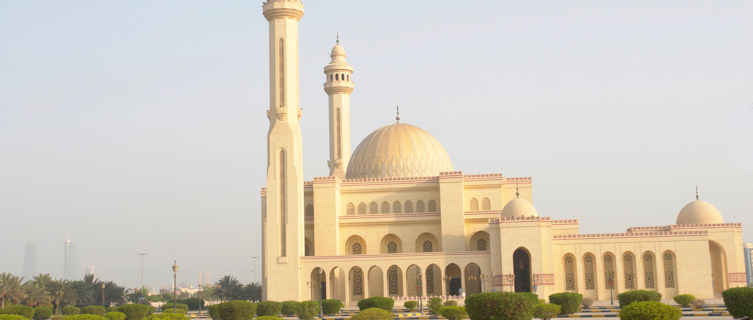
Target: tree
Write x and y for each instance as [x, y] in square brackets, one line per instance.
[61, 292]
[35, 294]
[229, 288]
[114, 294]
[138, 296]
[252, 291]
[10, 288]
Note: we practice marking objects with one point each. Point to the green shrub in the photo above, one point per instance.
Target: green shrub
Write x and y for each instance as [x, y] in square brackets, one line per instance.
[331, 306]
[214, 312]
[289, 308]
[684, 299]
[236, 310]
[134, 311]
[115, 315]
[168, 316]
[18, 309]
[71, 310]
[96, 310]
[739, 301]
[410, 305]
[269, 317]
[42, 313]
[376, 302]
[57, 317]
[178, 306]
[4, 316]
[499, 305]
[530, 295]
[569, 302]
[373, 314]
[192, 303]
[450, 303]
[308, 310]
[85, 317]
[649, 310]
[453, 313]
[434, 305]
[629, 297]
[176, 311]
[545, 311]
[268, 308]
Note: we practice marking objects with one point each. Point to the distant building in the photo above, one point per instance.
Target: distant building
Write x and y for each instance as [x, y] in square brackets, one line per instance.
[69, 260]
[30, 260]
[205, 278]
[88, 270]
[748, 249]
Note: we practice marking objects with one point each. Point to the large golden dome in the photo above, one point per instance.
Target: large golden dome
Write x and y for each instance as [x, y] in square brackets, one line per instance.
[699, 212]
[398, 150]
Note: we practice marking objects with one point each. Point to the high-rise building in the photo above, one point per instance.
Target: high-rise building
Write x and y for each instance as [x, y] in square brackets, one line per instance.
[30, 259]
[205, 278]
[748, 249]
[69, 260]
[89, 270]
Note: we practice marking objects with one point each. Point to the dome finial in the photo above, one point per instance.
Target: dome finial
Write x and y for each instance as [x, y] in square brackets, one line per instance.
[696, 193]
[398, 114]
[517, 191]
[338, 37]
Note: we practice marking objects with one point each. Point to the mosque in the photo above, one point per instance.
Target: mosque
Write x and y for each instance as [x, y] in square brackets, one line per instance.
[395, 218]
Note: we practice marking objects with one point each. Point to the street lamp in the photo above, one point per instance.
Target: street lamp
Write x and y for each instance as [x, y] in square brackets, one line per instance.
[419, 290]
[103, 294]
[610, 282]
[447, 279]
[175, 286]
[310, 284]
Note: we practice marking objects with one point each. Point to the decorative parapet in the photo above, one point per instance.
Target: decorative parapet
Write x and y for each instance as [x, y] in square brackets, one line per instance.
[263, 192]
[515, 180]
[483, 177]
[629, 235]
[524, 219]
[450, 174]
[673, 227]
[565, 221]
[382, 181]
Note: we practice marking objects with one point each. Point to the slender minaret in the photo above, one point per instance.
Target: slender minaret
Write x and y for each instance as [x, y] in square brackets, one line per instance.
[338, 86]
[283, 205]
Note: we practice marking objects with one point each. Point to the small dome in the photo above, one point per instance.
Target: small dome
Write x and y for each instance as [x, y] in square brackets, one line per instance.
[519, 208]
[337, 50]
[699, 212]
[398, 151]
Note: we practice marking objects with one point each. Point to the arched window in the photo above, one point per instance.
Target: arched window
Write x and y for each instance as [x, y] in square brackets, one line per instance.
[486, 204]
[609, 271]
[590, 271]
[309, 210]
[628, 262]
[408, 206]
[348, 77]
[669, 270]
[392, 247]
[357, 248]
[373, 208]
[396, 207]
[420, 206]
[649, 270]
[283, 201]
[385, 207]
[481, 245]
[350, 209]
[337, 76]
[474, 204]
[432, 206]
[428, 246]
[357, 281]
[361, 208]
[569, 261]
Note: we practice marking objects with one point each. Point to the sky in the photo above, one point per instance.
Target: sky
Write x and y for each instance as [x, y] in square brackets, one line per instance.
[140, 126]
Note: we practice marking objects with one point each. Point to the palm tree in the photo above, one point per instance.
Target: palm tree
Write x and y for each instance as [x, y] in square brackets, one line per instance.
[114, 294]
[35, 294]
[228, 288]
[10, 288]
[61, 292]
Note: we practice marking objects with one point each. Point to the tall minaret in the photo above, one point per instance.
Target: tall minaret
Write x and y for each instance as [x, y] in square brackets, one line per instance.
[283, 204]
[338, 87]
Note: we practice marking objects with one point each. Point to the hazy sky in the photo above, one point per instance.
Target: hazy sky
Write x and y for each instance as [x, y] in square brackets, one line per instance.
[139, 126]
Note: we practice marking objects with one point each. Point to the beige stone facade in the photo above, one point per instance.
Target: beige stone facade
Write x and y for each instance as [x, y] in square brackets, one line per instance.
[396, 219]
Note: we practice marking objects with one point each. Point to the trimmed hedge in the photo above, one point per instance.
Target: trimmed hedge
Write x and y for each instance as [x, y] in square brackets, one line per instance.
[629, 297]
[214, 312]
[85, 317]
[192, 303]
[410, 305]
[42, 313]
[178, 306]
[684, 299]
[450, 303]
[739, 301]
[434, 305]
[332, 306]
[308, 310]
[19, 310]
[236, 310]
[4, 316]
[289, 308]
[115, 315]
[71, 310]
[499, 305]
[383, 303]
[268, 308]
[135, 311]
[97, 310]
[546, 311]
[569, 302]
[649, 310]
[373, 314]
[453, 313]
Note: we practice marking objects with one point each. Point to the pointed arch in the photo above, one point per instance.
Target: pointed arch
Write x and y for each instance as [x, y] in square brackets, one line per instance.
[376, 282]
[670, 267]
[350, 209]
[486, 204]
[283, 200]
[609, 271]
[472, 278]
[433, 280]
[355, 245]
[571, 282]
[394, 281]
[408, 206]
[414, 276]
[385, 207]
[396, 208]
[318, 282]
[480, 241]
[718, 267]
[432, 206]
[649, 270]
[589, 270]
[628, 264]
[373, 208]
[420, 206]
[427, 242]
[474, 204]
[454, 279]
[361, 208]
[356, 283]
[391, 244]
[521, 261]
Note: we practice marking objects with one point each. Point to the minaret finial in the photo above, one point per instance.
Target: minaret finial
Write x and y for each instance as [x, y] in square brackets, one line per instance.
[517, 190]
[398, 114]
[338, 37]
[696, 192]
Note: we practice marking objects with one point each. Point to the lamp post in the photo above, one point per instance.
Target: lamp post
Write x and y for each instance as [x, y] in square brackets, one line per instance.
[311, 286]
[419, 290]
[175, 286]
[447, 280]
[103, 294]
[610, 281]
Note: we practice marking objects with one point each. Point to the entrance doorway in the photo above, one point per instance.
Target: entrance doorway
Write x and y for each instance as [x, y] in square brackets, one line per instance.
[522, 266]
